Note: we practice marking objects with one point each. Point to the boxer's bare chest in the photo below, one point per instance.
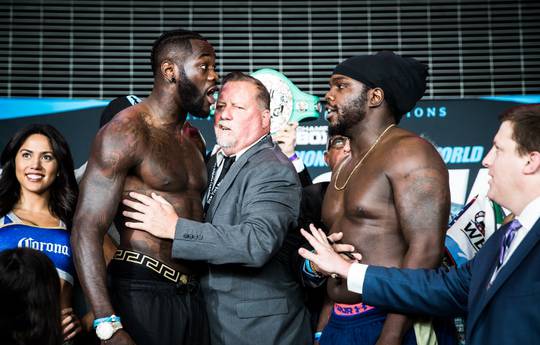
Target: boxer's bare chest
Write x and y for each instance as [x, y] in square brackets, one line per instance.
[172, 166]
[364, 211]
[363, 208]
[171, 163]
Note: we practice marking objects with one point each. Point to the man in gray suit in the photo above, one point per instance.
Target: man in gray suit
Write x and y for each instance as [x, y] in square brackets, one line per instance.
[250, 293]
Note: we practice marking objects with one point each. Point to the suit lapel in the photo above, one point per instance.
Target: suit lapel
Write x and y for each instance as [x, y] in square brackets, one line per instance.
[209, 167]
[521, 252]
[484, 267]
[229, 178]
[517, 257]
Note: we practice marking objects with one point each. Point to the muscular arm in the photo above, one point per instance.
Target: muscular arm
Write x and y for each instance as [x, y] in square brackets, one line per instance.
[112, 156]
[267, 209]
[422, 200]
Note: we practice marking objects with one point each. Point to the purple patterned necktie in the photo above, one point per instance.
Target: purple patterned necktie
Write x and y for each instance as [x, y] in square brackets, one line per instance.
[512, 227]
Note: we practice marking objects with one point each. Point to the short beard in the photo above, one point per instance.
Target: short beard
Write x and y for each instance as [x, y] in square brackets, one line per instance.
[349, 115]
[192, 100]
[224, 140]
[225, 144]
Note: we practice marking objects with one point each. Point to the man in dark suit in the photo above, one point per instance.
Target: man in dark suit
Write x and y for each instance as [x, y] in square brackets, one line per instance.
[498, 290]
[251, 295]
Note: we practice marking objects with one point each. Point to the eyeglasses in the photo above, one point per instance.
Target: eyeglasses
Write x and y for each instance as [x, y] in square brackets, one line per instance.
[337, 142]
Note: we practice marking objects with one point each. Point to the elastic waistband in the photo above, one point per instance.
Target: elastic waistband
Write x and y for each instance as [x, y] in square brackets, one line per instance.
[372, 315]
[351, 309]
[158, 268]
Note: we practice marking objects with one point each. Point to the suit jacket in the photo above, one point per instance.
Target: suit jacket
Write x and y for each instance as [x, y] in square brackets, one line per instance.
[251, 295]
[506, 313]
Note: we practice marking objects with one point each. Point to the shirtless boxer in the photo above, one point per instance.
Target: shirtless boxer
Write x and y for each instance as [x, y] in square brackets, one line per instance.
[390, 198]
[143, 148]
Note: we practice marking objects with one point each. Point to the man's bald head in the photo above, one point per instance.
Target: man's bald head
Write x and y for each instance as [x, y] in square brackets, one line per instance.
[171, 42]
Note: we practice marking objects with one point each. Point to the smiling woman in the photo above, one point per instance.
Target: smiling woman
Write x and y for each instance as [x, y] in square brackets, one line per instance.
[38, 194]
[35, 165]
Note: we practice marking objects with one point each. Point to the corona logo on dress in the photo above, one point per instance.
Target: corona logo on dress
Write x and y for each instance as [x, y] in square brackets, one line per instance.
[28, 242]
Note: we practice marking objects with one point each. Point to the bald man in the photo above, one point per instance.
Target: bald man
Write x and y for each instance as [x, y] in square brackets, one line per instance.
[150, 298]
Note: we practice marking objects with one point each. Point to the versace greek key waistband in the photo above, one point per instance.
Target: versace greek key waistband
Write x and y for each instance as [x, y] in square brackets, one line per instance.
[157, 266]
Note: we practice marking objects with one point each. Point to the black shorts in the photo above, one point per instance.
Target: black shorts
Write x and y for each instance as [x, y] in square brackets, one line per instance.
[154, 310]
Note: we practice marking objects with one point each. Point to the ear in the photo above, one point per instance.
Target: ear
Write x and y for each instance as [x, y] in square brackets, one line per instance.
[168, 71]
[265, 118]
[533, 163]
[347, 147]
[375, 97]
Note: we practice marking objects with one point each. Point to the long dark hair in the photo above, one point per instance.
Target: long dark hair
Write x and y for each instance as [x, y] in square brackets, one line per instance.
[63, 191]
[30, 298]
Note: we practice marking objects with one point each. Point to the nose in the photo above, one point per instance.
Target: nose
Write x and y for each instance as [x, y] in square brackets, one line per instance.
[225, 113]
[488, 159]
[35, 162]
[213, 75]
[329, 97]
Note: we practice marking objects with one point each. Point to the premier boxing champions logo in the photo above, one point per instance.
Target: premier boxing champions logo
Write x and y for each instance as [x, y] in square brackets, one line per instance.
[28, 242]
[312, 136]
[427, 112]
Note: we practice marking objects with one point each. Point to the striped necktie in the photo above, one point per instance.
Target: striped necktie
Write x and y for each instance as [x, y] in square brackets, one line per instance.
[511, 229]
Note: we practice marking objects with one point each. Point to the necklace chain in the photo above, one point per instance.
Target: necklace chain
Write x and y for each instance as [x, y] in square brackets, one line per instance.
[360, 161]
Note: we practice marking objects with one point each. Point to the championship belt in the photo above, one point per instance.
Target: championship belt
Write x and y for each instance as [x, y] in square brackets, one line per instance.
[287, 102]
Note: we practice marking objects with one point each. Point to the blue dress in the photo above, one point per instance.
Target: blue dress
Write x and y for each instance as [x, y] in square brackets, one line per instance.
[52, 241]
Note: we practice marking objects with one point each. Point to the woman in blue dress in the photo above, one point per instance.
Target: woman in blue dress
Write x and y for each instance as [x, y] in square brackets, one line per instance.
[38, 195]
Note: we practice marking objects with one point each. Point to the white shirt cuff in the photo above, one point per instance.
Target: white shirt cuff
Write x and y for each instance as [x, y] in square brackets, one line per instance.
[355, 277]
[298, 164]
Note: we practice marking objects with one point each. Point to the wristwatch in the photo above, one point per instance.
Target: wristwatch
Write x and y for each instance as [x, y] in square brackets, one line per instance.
[107, 326]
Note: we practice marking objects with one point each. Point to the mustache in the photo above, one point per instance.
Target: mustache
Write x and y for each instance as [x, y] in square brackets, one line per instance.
[223, 123]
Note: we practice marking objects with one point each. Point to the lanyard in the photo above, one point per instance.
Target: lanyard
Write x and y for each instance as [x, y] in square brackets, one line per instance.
[214, 185]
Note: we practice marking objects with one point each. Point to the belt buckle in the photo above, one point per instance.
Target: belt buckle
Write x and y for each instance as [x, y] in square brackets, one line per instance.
[182, 284]
[183, 279]
[186, 285]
